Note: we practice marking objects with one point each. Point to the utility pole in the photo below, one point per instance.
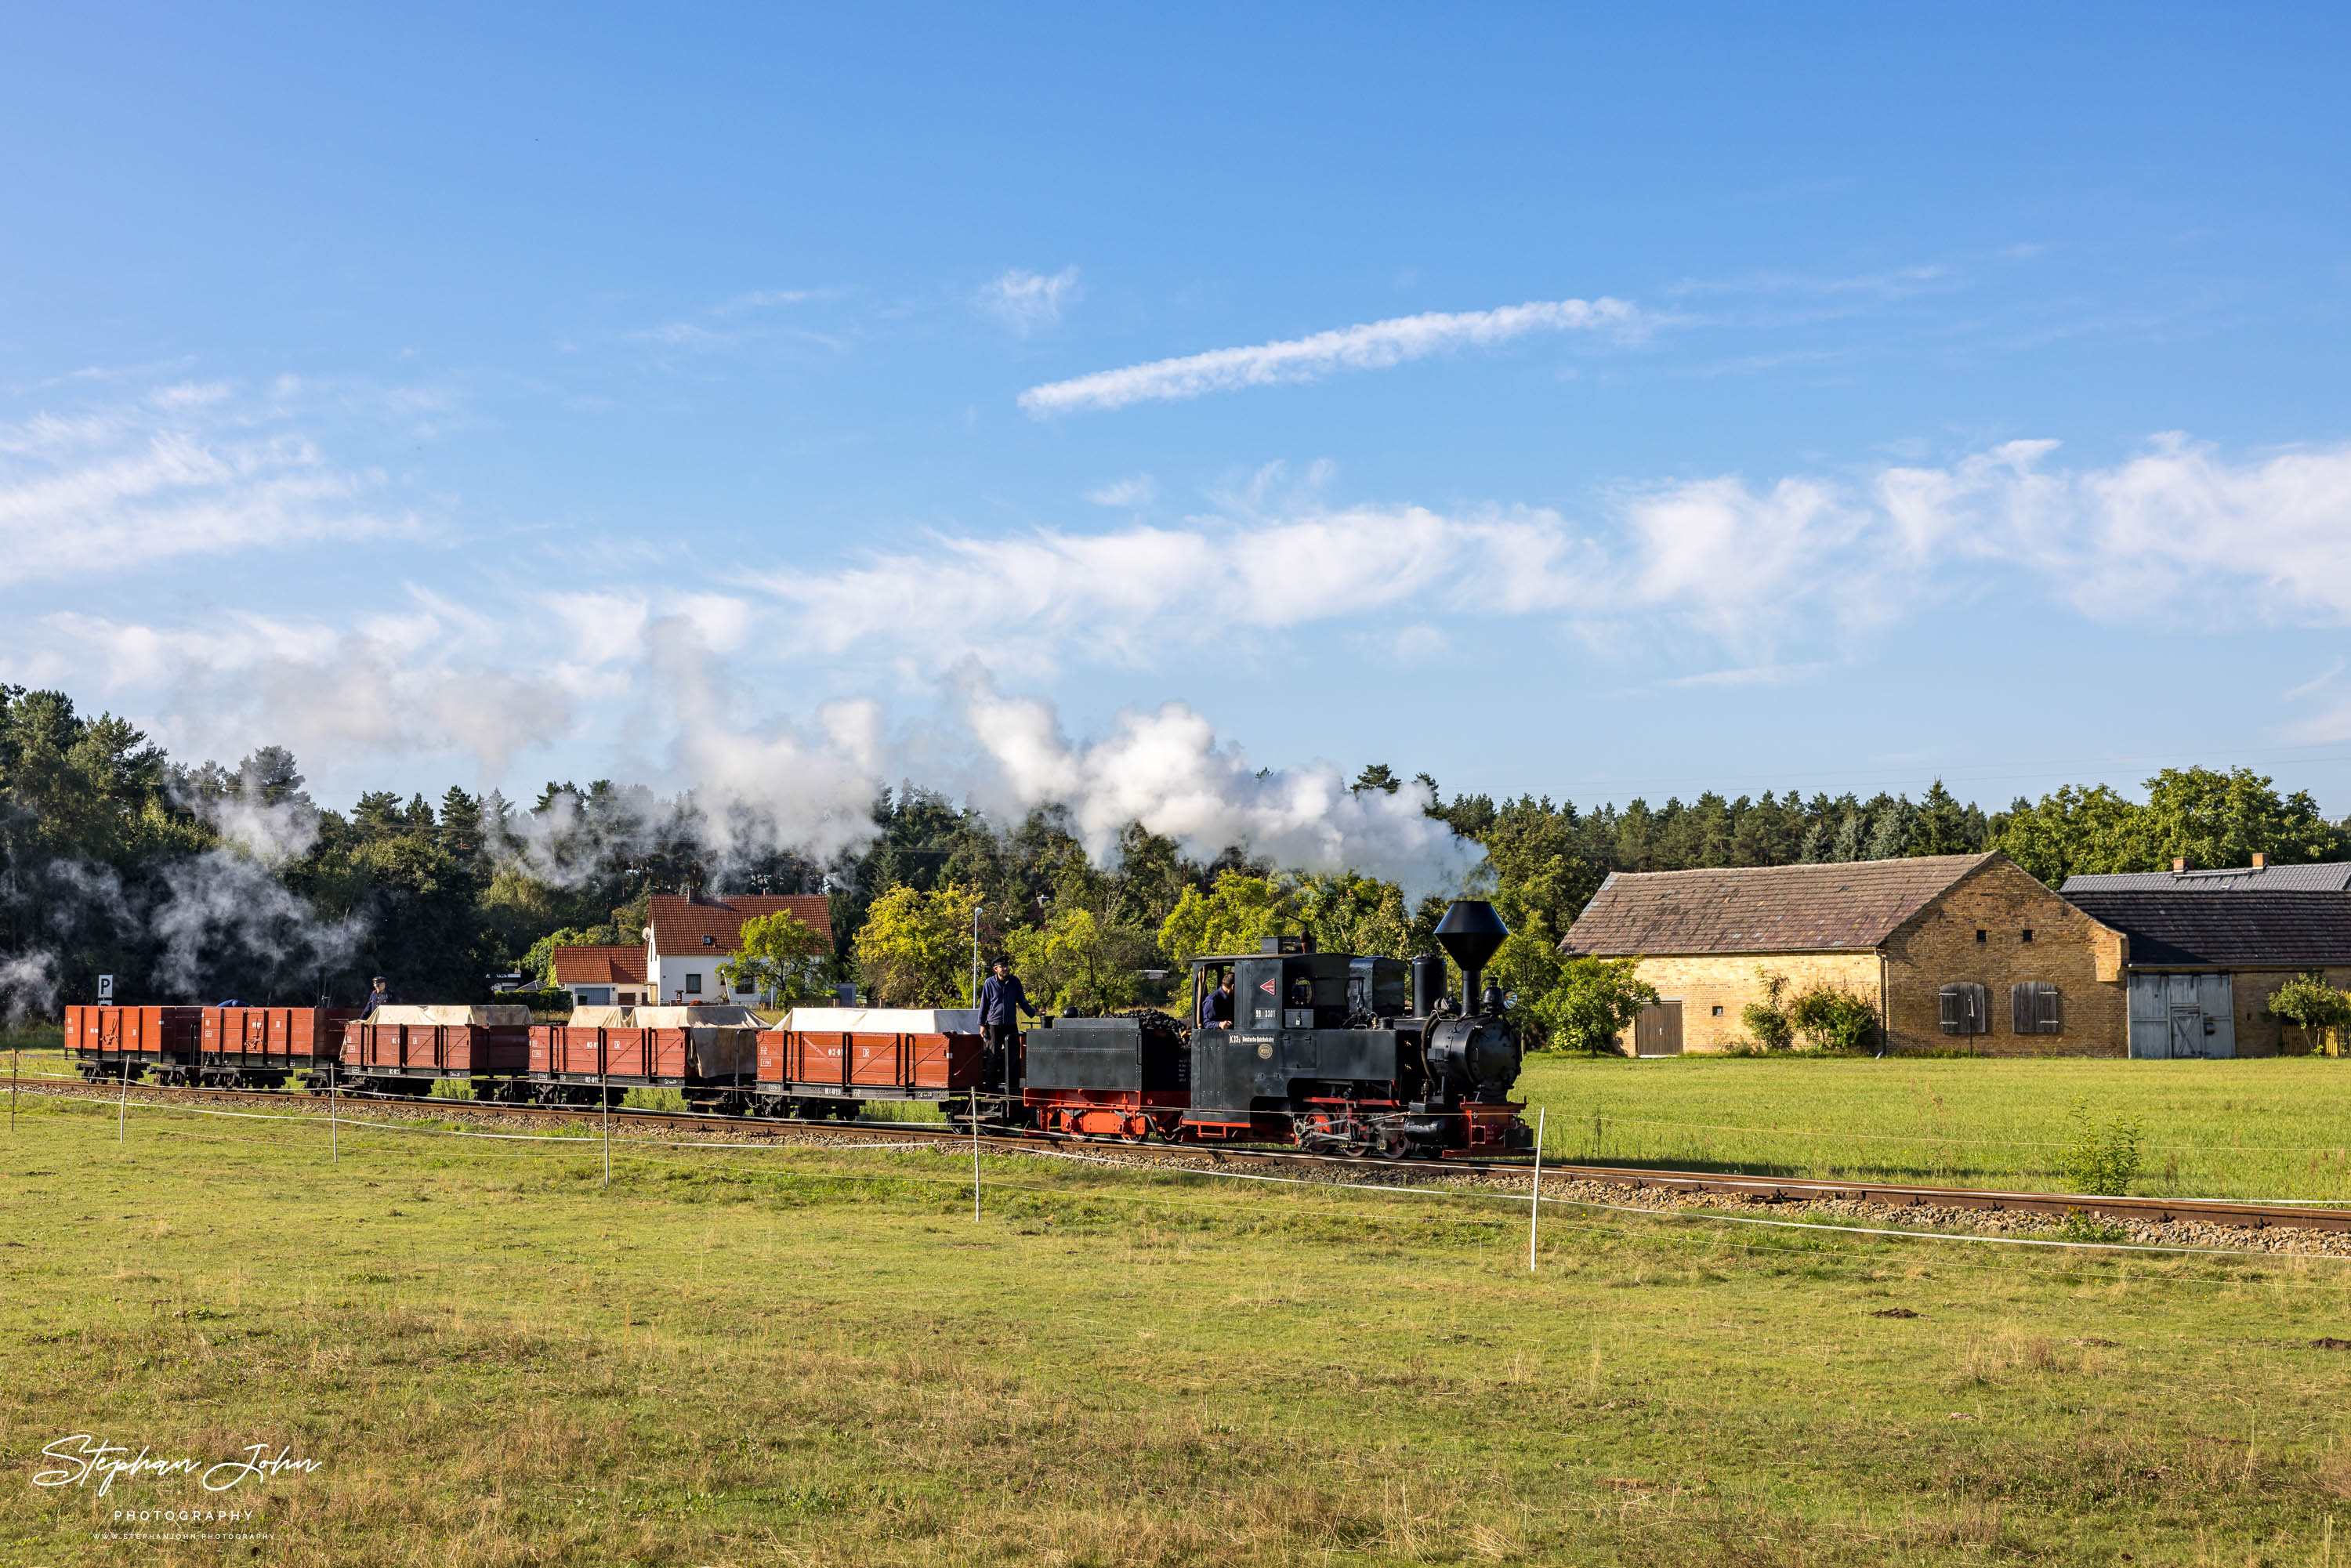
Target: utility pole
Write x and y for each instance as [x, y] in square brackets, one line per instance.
[974, 957]
[1534, 1202]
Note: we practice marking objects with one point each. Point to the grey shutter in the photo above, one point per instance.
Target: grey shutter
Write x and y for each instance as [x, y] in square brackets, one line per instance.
[2024, 1006]
[1954, 1010]
[1979, 1007]
[2052, 1013]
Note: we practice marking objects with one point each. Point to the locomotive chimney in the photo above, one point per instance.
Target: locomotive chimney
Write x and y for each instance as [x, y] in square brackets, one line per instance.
[1471, 931]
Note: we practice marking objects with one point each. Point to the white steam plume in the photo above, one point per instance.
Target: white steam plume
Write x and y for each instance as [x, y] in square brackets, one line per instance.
[28, 987]
[1166, 770]
[222, 905]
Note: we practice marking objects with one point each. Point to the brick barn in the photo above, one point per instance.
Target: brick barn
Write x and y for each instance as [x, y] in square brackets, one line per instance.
[2207, 949]
[1966, 952]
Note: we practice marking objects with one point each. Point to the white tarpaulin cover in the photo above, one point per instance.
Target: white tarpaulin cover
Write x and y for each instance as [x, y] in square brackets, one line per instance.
[603, 1017]
[885, 1021]
[507, 1013]
[717, 1015]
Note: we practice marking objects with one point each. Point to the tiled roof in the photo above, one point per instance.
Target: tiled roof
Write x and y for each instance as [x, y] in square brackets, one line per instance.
[679, 925]
[2333, 877]
[2251, 930]
[1854, 904]
[600, 966]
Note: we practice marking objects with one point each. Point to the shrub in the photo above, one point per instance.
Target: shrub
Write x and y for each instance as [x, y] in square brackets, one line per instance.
[2079, 1227]
[2098, 1159]
[1831, 1017]
[1767, 1021]
[1590, 1003]
[2308, 1002]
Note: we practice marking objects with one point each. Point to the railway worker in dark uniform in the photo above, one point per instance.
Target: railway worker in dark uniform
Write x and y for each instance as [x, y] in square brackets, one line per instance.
[381, 997]
[1002, 1000]
[1219, 1014]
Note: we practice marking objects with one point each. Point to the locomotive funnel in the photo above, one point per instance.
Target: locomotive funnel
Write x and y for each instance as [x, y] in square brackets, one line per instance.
[1471, 931]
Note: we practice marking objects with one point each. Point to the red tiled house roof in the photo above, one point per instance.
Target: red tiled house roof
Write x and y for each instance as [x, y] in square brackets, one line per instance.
[679, 925]
[600, 966]
[1849, 905]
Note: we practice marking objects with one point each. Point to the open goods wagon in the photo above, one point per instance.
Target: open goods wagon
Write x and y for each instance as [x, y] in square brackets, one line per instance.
[113, 1042]
[604, 1051]
[830, 1060]
[405, 1049]
[264, 1047]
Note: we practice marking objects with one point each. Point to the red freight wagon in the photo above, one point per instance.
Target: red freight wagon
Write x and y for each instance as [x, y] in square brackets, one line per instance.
[267, 1045]
[402, 1050]
[692, 1048]
[832, 1057]
[108, 1042]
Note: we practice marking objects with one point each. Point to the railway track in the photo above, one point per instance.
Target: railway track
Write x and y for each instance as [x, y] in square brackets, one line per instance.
[1770, 1190]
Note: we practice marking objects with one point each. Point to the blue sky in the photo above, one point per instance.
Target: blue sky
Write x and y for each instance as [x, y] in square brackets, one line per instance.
[1598, 405]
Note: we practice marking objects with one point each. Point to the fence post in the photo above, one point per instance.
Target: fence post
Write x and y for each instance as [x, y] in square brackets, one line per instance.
[974, 1156]
[1534, 1199]
[122, 1116]
[334, 1127]
[606, 1063]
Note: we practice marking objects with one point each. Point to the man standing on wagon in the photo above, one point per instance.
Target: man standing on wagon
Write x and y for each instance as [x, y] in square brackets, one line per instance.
[1002, 1000]
[382, 996]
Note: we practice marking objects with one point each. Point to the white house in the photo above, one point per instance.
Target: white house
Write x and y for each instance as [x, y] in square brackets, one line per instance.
[687, 938]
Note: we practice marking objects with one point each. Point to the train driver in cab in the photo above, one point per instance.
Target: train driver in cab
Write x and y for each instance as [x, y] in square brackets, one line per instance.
[1218, 1012]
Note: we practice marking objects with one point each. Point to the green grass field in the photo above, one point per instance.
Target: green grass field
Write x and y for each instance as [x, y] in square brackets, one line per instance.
[808, 1356]
[2272, 1128]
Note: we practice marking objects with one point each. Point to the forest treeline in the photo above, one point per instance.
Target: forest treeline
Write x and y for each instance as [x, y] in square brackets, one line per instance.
[204, 881]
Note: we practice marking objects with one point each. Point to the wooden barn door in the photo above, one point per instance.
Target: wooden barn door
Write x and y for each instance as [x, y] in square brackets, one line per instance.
[1658, 1031]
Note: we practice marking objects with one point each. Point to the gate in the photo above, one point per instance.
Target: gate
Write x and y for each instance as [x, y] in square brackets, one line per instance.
[1658, 1031]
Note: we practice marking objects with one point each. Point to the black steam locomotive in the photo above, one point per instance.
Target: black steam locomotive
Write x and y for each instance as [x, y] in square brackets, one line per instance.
[1330, 1051]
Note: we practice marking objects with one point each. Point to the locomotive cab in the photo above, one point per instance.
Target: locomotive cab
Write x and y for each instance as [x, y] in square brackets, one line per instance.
[1326, 1050]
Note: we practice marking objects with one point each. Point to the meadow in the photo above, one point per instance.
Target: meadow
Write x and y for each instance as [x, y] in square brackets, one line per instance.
[2267, 1128]
[741, 1356]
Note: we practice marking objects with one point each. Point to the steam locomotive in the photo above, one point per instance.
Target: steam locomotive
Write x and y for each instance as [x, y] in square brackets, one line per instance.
[1332, 1052]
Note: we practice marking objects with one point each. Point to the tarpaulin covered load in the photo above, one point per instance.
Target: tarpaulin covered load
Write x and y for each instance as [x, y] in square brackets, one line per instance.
[488, 1016]
[715, 1015]
[885, 1021]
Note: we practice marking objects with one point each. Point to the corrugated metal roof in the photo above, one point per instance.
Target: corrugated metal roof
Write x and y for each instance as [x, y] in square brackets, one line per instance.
[2332, 876]
[1853, 905]
[600, 966]
[679, 925]
[2253, 930]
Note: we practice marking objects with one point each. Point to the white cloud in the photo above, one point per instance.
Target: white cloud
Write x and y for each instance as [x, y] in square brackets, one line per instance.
[1745, 568]
[1139, 491]
[1373, 346]
[189, 470]
[1029, 301]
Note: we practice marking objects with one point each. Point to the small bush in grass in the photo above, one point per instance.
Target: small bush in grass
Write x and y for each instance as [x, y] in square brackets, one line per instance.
[2079, 1227]
[2100, 1159]
[1767, 1021]
[1831, 1017]
[2310, 1005]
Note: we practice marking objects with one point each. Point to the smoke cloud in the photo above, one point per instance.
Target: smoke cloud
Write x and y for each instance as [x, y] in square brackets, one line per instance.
[225, 910]
[1166, 770]
[28, 988]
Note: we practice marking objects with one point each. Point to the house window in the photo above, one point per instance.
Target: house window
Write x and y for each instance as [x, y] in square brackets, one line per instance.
[1966, 1007]
[710, 941]
[2034, 1007]
[693, 985]
[1980, 935]
[2028, 934]
[1717, 1012]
